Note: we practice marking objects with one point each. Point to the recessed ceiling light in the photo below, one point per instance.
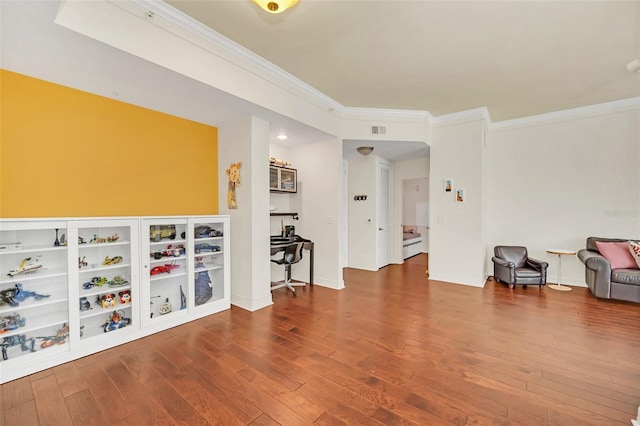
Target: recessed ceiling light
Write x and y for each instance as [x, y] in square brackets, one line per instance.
[282, 137]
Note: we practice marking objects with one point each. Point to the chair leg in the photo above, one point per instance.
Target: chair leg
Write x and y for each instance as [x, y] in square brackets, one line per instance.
[511, 285]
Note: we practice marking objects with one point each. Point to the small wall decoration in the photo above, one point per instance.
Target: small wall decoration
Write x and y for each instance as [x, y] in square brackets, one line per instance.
[448, 185]
[234, 181]
[459, 195]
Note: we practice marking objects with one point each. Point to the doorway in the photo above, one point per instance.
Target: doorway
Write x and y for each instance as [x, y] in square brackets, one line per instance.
[384, 214]
[415, 216]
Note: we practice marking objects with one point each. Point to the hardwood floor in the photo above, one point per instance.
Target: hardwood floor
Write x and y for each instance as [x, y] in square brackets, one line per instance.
[391, 348]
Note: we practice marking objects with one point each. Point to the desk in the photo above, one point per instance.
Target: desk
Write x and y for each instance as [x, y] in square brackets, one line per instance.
[277, 247]
[560, 253]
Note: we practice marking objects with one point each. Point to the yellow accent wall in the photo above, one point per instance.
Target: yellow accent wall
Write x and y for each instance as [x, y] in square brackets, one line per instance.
[64, 153]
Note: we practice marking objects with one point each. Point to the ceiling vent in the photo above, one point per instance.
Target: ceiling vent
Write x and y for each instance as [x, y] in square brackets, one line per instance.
[378, 130]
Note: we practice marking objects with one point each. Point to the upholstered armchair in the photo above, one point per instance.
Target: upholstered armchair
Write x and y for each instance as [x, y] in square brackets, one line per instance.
[512, 265]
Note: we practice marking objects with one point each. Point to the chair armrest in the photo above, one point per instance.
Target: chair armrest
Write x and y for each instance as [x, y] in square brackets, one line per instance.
[537, 264]
[594, 260]
[598, 273]
[503, 262]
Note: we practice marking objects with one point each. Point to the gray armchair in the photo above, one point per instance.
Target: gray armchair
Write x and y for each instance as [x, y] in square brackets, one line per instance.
[512, 265]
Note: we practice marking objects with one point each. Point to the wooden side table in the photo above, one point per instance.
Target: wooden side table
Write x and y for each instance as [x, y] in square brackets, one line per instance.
[560, 253]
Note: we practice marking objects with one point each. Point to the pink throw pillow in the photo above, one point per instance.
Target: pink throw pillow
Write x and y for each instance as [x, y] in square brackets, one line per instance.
[634, 249]
[617, 254]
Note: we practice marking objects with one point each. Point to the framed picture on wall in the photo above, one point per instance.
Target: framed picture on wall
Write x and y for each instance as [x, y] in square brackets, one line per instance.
[448, 185]
[459, 195]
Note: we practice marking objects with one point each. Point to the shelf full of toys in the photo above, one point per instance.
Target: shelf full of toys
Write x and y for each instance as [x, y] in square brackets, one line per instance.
[34, 297]
[164, 243]
[106, 280]
[72, 287]
[208, 261]
[187, 256]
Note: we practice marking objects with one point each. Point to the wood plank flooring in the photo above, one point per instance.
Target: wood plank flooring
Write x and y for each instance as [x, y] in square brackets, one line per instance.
[391, 348]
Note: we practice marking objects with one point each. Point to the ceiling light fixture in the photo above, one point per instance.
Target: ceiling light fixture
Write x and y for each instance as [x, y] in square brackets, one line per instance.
[275, 6]
[634, 66]
[365, 150]
[282, 137]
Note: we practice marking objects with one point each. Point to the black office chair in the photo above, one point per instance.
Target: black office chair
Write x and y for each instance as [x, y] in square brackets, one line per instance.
[292, 254]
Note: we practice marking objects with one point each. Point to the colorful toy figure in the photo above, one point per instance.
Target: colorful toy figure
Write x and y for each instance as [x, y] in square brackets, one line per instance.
[125, 296]
[116, 320]
[113, 238]
[82, 262]
[59, 338]
[28, 265]
[107, 300]
[11, 322]
[97, 239]
[14, 295]
[26, 344]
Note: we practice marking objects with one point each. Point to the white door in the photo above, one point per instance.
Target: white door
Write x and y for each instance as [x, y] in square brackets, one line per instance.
[384, 214]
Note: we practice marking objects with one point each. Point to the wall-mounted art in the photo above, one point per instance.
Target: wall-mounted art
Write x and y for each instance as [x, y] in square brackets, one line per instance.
[234, 181]
[459, 195]
[448, 185]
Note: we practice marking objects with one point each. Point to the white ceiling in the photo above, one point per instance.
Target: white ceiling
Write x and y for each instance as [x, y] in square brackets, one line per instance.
[517, 58]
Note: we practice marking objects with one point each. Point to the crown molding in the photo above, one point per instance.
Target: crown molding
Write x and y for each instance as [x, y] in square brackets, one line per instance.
[567, 115]
[350, 113]
[475, 114]
[219, 45]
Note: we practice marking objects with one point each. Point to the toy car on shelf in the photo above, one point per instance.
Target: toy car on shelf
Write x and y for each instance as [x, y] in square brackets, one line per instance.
[205, 231]
[112, 260]
[158, 232]
[117, 281]
[204, 248]
[95, 281]
[162, 269]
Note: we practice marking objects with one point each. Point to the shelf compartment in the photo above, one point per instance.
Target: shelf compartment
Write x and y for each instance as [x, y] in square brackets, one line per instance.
[57, 296]
[105, 244]
[46, 319]
[161, 277]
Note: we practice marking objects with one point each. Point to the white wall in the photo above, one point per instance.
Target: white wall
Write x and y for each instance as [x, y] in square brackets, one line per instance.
[407, 169]
[319, 203]
[246, 141]
[552, 184]
[456, 243]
